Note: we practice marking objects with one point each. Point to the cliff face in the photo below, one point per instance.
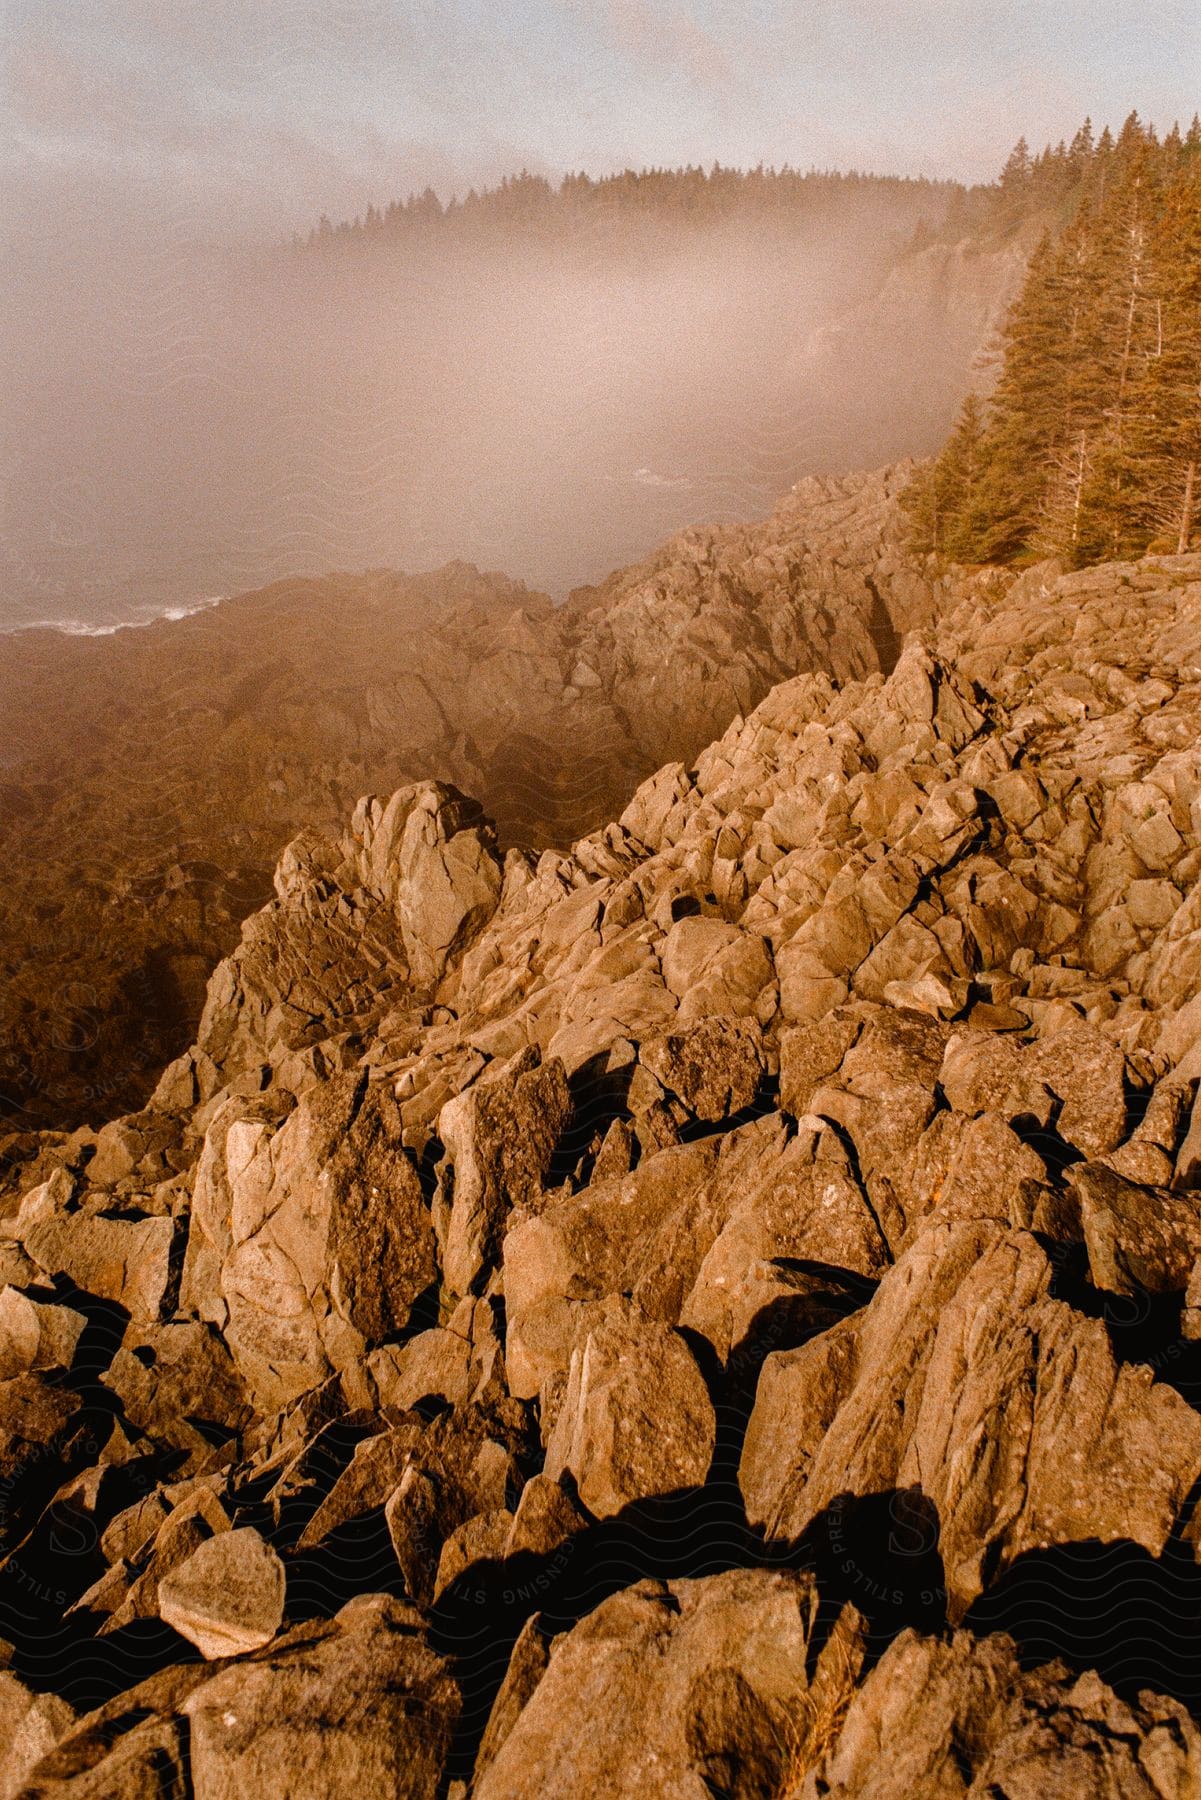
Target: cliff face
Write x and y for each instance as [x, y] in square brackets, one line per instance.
[163, 769]
[714, 1307]
[930, 326]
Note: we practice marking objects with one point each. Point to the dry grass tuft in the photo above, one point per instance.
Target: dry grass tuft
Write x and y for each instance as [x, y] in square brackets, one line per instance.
[822, 1710]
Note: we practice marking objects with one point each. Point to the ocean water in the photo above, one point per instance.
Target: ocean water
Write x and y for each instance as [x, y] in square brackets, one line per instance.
[148, 614]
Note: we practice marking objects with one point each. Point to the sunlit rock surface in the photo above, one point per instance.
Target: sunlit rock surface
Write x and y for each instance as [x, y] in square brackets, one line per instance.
[716, 1304]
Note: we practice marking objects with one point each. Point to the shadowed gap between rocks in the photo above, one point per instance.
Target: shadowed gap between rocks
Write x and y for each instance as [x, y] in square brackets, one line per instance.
[1133, 1617]
[1143, 1329]
[884, 634]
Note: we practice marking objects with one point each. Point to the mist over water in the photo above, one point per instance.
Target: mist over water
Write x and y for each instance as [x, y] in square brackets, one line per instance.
[183, 421]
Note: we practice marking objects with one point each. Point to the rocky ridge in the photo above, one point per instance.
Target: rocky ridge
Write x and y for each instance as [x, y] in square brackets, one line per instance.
[712, 1309]
[162, 770]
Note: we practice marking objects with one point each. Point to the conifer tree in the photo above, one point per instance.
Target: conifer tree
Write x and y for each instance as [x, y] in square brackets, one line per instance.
[941, 505]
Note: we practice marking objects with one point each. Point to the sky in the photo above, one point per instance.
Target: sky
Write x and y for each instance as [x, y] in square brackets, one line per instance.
[246, 115]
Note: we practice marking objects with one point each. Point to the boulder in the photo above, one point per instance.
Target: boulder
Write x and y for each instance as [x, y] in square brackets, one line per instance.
[484, 1538]
[118, 1258]
[34, 1335]
[1139, 1239]
[155, 1547]
[714, 967]
[30, 1726]
[636, 1420]
[376, 1468]
[646, 1236]
[1007, 1409]
[447, 878]
[783, 1252]
[964, 1717]
[356, 1704]
[320, 1243]
[811, 1054]
[670, 1689]
[500, 1136]
[227, 1597]
[544, 1519]
[713, 1070]
[178, 1384]
[432, 1364]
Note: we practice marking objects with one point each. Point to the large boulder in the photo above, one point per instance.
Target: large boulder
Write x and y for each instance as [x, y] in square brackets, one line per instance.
[636, 1420]
[714, 967]
[959, 1718]
[115, 1256]
[359, 1705]
[228, 1596]
[356, 1704]
[645, 1234]
[800, 1228]
[179, 1385]
[30, 1725]
[431, 854]
[713, 1069]
[674, 1690]
[500, 1136]
[317, 1243]
[1007, 1409]
[34, 1335]
[1140, 1239]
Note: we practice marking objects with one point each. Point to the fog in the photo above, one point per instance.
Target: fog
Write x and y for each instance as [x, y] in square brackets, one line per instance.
[183, 418]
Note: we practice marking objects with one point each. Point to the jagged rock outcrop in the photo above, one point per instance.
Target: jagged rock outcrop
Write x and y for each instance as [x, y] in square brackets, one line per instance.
[671, 1689]
[961, 1717]
[717, 1305]
[1004, 1408]
[135, 843]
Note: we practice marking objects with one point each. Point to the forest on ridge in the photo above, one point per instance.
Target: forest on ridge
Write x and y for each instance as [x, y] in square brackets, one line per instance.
[1088, 446]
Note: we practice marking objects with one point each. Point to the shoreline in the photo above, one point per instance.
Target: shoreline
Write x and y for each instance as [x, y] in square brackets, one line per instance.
[80, 628]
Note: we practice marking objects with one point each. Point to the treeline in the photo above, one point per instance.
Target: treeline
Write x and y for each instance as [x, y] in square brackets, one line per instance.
[1048, 182]
[1088, 446]
[665, 203]
[664, 198]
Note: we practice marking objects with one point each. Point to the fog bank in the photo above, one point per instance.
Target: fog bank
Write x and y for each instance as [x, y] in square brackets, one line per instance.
[183, 420]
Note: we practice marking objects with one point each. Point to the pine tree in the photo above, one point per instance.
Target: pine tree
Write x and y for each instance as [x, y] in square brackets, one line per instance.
[941, 502]
[1166, 439]
[1018, 169]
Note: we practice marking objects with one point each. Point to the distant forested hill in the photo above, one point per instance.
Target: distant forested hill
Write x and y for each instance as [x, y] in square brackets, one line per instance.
[677, 200]
[686, 199]
[1088, 447]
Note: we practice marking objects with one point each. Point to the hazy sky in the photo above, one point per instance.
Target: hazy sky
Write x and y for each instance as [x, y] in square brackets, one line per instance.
[252, 111]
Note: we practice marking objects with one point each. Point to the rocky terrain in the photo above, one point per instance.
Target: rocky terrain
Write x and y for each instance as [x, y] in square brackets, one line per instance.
[712, 1309]
[155, 775]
